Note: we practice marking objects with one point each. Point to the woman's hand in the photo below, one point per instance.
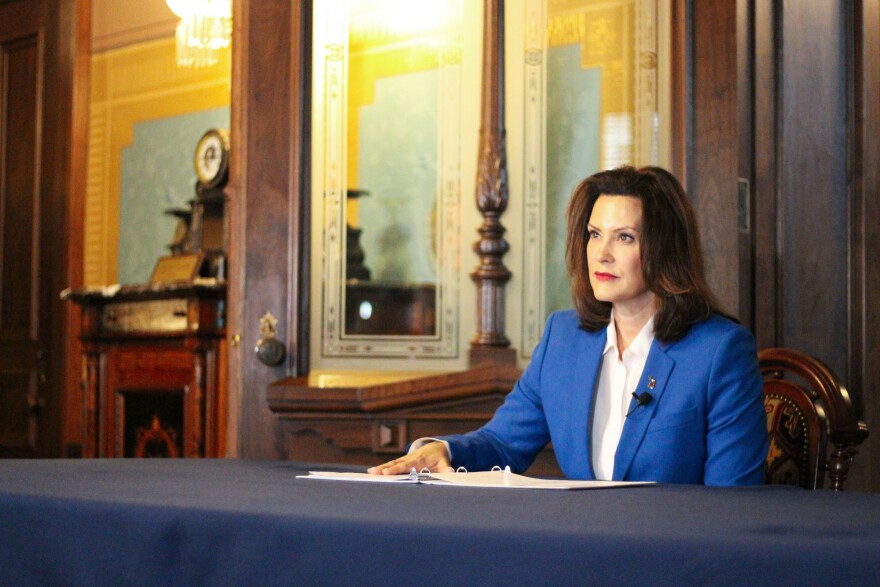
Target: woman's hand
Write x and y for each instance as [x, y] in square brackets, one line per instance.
[432, 456]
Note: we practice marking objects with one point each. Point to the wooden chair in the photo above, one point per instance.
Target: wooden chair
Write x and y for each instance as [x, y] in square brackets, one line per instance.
[807, 407]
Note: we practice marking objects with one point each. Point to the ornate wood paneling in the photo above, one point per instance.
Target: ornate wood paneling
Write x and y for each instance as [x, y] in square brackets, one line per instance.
[807, 143]
[864, 194]
[712, 140]
[22, 66]
[813, 172]
[42, 152]
[269, 233]
[365, 424]
[762, 153]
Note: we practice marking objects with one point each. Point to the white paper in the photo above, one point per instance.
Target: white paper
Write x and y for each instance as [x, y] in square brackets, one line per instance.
[332, 476]
[497, 479]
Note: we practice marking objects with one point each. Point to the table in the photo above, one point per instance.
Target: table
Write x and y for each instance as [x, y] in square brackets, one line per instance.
[237, 522]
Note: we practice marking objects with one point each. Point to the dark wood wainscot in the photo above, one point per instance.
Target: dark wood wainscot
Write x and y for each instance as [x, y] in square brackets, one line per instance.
[333, 419]
[154, 363]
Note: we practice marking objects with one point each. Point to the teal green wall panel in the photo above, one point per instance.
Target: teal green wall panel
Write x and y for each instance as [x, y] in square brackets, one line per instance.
[157, 174]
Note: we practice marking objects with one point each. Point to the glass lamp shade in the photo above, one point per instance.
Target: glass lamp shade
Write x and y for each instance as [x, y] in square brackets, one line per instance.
[204, 29]
[190, 8]
[182, 8]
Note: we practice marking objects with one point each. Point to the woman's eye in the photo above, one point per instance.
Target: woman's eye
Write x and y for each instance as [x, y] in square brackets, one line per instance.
[593, 234]
[627, 238]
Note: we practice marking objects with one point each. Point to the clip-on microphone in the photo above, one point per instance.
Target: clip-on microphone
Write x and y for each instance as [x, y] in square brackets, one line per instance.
[642, 399]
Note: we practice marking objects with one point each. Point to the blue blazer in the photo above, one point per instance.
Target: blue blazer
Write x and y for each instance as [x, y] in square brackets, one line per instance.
[705, 424]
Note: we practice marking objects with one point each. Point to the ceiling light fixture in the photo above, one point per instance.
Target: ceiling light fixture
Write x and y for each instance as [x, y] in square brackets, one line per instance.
[205, 28]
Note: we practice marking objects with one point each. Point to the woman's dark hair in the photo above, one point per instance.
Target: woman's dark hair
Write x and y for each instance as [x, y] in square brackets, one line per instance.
[671, 255]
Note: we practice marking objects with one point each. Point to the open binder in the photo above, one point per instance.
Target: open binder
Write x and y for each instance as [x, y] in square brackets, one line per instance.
[497, 478]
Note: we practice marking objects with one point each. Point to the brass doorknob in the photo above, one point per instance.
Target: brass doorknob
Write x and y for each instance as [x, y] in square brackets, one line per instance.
[270, 351]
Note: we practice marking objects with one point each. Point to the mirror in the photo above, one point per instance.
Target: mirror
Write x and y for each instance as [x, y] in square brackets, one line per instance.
[593, 92]
[386, 106]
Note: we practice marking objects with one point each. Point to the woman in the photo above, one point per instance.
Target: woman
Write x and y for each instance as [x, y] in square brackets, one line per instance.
[646, 379]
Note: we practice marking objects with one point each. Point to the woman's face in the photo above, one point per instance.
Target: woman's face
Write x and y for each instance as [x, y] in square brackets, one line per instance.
[614, 253]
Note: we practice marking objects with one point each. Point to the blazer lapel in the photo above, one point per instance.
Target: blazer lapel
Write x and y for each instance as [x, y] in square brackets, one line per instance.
[654, 379]
[586, 362]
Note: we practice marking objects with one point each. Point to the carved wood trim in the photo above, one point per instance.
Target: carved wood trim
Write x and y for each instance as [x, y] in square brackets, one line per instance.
[294, 395]
[93, 376]
[864, 355]
[680, 83]
[842, 426]
[491, 275]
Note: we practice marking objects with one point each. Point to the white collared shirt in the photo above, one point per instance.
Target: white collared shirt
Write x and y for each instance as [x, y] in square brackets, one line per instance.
[618, 378]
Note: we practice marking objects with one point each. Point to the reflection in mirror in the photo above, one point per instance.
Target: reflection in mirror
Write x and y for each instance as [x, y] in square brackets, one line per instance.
[591, 78]
[386, 174]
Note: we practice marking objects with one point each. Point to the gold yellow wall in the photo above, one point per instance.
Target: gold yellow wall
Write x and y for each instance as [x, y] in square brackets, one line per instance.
[606, 34]
[129, 85]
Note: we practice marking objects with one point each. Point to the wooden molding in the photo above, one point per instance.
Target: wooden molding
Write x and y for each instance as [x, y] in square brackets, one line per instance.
[293, 395]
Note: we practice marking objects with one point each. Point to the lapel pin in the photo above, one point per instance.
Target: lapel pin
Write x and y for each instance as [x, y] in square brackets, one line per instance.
[651, 382]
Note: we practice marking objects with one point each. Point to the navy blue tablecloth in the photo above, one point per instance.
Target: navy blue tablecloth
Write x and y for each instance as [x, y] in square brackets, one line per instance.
[238, 522]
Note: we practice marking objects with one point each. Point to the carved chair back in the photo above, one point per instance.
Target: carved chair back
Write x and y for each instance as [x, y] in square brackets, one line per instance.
[808, 408]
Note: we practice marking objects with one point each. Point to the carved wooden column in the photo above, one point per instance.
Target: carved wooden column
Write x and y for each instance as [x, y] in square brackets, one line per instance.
[490, 342]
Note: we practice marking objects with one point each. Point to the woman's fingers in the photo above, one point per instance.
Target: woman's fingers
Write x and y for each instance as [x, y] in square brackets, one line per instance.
[433, 456]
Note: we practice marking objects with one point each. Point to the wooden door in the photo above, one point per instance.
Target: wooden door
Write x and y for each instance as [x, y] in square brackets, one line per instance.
[38, 51]
[269, 218]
